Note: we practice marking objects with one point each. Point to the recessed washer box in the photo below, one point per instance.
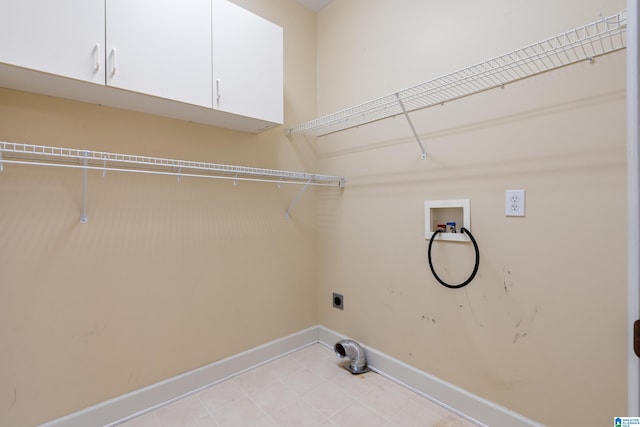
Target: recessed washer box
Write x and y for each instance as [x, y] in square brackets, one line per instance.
[441, 212]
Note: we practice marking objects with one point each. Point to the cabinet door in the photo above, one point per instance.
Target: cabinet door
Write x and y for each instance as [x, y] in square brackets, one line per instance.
[62, 37]
[161, 48]
[247, 63]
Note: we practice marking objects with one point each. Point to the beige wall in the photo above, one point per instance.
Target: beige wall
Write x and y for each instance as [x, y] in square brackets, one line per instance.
[166, 276]
[542, 329]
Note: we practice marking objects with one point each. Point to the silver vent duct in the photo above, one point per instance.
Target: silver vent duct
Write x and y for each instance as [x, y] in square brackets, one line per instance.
[355, 353]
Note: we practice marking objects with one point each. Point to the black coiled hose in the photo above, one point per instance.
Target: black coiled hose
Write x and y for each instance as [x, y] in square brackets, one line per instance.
[475, 268]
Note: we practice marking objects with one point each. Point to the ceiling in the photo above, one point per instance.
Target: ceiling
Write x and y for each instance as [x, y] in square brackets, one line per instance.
[315, 5]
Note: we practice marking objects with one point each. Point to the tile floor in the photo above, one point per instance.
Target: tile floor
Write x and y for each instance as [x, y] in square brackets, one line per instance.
[305, 388]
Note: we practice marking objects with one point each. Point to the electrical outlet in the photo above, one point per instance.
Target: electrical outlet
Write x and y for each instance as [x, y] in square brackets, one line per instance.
[338, 301]
[514, 203]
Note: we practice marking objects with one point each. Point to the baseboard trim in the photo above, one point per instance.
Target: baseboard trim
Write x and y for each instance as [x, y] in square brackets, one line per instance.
[454, 398]
[130, 405]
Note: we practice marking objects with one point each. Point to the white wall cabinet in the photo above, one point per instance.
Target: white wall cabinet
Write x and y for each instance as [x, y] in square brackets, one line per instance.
[207, 61]
[63, 37]
[161, 48]
[247, 64]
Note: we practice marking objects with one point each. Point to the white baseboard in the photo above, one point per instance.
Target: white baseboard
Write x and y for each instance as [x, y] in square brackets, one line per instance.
[122, 408]
[130, 405]
[453, 398]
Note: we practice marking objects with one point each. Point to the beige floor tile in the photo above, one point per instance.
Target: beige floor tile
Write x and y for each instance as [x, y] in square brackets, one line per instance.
[424, 413]
[305, 388]
[302, 381]
[220, 395]
[385, 401]
[274, 397]
[315, 354]
[327, 369]
[328, 399]
[256, 380]
[186, 412]
[285, 366]
[298, 414]
[264, 422]
[357, 385]
[243, 412]
[357, 414]
[408, 394]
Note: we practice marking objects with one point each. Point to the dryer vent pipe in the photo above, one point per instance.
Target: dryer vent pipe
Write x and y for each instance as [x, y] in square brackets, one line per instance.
[355, 353]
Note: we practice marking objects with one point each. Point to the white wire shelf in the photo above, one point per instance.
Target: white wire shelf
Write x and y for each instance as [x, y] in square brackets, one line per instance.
[42, 155]
[587, 42]
[14, 153]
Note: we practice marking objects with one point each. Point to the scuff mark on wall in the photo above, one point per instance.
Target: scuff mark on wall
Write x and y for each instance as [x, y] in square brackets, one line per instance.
[425, 317]
[517, 337]
[473, 314]
[536, 310]
[15, 398]
[392, 291]
[98, 328]
[507, 282]
[519, 325]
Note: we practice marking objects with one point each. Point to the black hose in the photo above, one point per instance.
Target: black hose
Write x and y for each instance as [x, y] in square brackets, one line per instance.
[475, 268]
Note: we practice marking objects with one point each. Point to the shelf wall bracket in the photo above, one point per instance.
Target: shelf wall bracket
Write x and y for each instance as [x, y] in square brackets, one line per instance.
[297, 198]
[85, 170]
[413, 129]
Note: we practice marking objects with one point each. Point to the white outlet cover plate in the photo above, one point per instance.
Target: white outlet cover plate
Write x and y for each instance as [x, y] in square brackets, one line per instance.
[514, 203]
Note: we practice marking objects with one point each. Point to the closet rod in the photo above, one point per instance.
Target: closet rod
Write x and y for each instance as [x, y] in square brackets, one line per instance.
[606, 35]
[41, 155]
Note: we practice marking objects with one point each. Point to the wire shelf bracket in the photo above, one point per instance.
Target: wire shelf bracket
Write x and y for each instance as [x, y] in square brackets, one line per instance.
[296, 199]
[413, 129]
[601, 37]
[85, 173]
[42, 155]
